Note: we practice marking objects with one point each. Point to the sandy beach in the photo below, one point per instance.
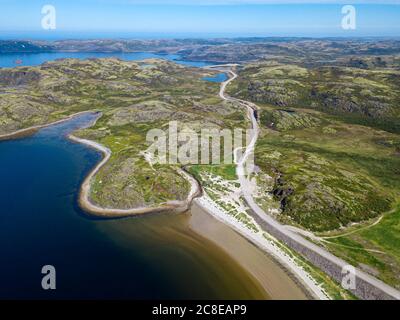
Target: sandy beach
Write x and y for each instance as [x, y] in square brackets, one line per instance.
[275, 280]
[207, 221]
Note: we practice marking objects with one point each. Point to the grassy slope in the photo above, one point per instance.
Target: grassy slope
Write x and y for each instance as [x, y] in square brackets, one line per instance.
[376, 247]
[338, 173]
[329, 170]
[354, 95]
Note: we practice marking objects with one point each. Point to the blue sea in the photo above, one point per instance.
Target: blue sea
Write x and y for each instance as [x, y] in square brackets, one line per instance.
[147, 257]
[150, 257]
[33, 59]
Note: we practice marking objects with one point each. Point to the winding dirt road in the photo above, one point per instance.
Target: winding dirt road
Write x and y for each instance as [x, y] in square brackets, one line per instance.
[367, 287]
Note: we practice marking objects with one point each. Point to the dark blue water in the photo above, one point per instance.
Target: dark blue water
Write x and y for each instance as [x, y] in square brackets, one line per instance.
[40, 224]
[220, 77]
[34, 59]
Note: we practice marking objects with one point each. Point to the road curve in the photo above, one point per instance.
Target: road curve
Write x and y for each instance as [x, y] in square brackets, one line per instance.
[367, 286]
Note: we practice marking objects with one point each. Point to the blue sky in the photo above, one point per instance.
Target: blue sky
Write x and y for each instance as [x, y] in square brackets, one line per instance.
[203, 17]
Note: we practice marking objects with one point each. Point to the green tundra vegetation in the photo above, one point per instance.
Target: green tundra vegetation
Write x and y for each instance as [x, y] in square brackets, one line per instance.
[330, 137]
[133, 97]
[329, 117]
[373, 246]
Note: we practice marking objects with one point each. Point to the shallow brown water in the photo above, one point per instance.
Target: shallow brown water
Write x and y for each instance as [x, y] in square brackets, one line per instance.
[275, 281]
[204, 258]
[196, 266]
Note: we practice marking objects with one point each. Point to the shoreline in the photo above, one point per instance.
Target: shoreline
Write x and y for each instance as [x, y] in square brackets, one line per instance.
[370, 287]
[22, 133]
[275, 278]
[87, 205]
[299, 278]
[171, 206]
[175, 206]
[286, 263]
[84, 192]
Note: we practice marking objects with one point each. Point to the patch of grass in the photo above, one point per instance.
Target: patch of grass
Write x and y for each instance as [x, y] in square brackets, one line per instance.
[362, 248]
[386, 234]
[227, 172]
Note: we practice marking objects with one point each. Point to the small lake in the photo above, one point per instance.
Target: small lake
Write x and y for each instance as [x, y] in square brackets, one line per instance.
[33, 59]
[220, 77]
[148, 257]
